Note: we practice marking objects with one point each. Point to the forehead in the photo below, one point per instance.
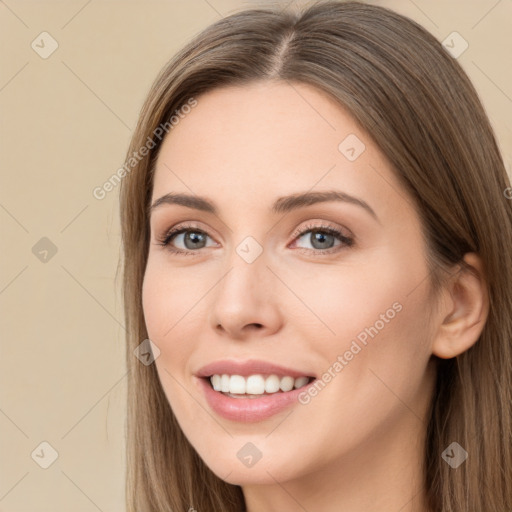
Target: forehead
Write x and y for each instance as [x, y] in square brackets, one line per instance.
[248, 144]
[259, 122]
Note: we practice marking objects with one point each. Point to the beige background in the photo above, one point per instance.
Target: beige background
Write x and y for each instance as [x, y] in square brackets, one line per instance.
[65, 126]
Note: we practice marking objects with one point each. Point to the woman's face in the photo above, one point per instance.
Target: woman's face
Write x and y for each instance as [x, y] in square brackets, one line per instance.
[269, 279]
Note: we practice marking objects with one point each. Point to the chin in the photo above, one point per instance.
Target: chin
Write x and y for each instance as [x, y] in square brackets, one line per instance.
[241, 470]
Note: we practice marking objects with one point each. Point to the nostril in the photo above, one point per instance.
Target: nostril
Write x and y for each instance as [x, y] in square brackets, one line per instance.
[254, 326]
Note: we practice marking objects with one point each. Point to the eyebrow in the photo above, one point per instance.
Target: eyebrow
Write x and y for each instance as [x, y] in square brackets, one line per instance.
[282, 204]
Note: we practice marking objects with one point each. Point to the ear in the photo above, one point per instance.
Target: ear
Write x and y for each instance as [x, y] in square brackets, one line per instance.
[464, 311]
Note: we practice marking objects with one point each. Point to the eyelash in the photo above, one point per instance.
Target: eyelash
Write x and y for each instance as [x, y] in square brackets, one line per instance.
[183, 228]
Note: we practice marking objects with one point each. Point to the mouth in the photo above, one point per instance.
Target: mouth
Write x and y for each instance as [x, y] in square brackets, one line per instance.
[253, 398]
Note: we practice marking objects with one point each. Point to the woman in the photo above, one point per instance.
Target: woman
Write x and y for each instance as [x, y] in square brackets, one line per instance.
[317, 243]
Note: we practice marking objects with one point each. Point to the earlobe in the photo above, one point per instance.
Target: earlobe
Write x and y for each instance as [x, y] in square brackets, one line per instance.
[464, 312]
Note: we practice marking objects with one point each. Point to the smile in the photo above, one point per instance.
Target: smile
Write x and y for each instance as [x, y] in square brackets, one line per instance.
[238, 386]
[253, 398]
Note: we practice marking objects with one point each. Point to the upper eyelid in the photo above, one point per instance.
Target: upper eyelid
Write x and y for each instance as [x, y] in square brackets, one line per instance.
[322, 224]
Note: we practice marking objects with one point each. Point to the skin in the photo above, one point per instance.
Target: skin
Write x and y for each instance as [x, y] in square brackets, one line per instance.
[358, 444]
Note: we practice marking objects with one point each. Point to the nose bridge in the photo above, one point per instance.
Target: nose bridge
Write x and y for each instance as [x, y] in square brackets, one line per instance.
[244, 295]
[246, 271]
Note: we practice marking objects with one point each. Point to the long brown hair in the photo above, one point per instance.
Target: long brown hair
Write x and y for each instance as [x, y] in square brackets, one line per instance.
[420, 108]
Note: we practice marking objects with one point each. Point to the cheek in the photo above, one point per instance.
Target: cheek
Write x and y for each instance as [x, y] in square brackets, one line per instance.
[376, 313]
[380, 321]
[341, 301]
[168, 300]
[168, 295]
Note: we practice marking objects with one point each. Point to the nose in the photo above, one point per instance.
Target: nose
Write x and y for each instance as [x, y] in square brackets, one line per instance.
[244, 302]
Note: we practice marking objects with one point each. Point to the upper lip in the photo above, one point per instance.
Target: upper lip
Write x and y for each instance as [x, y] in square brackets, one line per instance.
[249, 367]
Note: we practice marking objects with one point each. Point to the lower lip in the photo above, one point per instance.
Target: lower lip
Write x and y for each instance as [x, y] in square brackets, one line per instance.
[248, 410]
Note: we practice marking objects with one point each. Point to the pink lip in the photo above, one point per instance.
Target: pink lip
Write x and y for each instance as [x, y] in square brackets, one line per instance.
[248, 410]
[250, 367]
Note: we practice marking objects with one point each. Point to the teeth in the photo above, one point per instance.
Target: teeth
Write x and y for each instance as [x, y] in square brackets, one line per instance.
[287, 383]
[301, 381]
[224, 383]
[255, 384]
[237, 384]
[272, 384]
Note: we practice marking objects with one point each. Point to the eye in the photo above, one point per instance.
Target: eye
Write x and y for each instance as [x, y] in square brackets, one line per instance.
[322, 239]
[192, 237]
